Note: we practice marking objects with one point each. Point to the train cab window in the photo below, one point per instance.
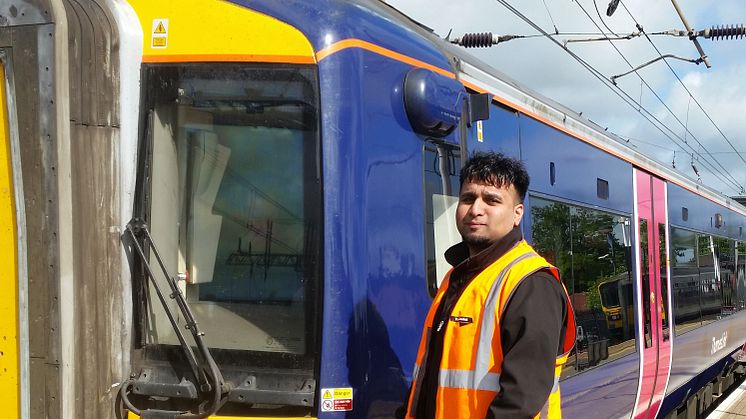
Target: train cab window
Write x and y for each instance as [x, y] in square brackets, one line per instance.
[234, 205]
[591, 248]
[685, 291]
[442, 163]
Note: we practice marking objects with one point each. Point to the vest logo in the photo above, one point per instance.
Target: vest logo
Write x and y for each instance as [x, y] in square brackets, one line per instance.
[461, 320]
[719, 344]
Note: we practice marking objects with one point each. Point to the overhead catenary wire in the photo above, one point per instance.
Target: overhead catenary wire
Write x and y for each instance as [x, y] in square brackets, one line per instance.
[602, 20]
[619, 92]
[739, 154]
[684, 125]
[550, 16]
[606, 82]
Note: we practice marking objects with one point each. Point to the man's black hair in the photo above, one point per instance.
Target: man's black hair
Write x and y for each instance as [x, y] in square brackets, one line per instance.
[496, 169]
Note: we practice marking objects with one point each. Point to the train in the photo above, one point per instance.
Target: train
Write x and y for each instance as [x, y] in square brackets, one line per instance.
[238, 208]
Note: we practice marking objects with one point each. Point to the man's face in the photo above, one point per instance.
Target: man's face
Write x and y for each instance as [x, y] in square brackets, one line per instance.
[485, 213]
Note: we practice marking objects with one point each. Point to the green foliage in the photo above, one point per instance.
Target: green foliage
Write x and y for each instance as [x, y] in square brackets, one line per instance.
[581, 242]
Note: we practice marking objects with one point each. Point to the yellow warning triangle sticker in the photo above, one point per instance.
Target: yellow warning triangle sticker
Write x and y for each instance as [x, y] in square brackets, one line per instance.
[327, 394]
[160, 28]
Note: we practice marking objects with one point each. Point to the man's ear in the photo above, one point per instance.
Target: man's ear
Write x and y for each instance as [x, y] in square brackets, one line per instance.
[517, 214]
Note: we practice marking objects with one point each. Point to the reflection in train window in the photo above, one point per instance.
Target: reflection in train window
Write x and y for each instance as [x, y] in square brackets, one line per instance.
[740, 263]
[684, 280]
[725, 255]
[236, 203]
[707, 278]
[591, 250]
[709, 281]
[647, 290]
[664, 282]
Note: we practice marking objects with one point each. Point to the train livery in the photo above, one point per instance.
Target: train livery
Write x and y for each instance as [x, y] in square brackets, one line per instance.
[238, 209]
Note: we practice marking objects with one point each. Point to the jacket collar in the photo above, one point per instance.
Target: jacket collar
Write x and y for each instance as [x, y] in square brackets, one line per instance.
[465, 266]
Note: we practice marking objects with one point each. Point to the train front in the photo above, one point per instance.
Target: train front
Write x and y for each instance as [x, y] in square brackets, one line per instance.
[310, 298]
[228, 188]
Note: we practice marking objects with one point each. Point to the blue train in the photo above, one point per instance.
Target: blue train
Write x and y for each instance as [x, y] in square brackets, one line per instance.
[293, 168]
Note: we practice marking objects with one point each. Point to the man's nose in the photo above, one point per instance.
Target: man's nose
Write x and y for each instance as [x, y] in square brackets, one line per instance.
[476, 208]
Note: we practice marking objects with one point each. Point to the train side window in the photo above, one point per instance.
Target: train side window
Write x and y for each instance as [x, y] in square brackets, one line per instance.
[726, 268]
[685, 280]
[441, 163]
[740, 263]
[709, 281]
[591, 250]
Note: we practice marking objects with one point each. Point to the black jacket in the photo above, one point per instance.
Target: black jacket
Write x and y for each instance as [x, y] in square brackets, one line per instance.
[532, 330]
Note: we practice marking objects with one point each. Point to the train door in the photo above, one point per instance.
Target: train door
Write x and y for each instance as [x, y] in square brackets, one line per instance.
[652, 262]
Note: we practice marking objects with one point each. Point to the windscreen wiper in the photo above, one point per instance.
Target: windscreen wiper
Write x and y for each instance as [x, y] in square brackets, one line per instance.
[208, 382]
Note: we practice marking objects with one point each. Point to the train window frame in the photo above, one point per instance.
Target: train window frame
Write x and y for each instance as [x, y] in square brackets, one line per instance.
[441, 233]
[282, 370]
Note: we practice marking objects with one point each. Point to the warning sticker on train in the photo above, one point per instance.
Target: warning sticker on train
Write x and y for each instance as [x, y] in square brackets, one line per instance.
[336, 399]
[159, 34]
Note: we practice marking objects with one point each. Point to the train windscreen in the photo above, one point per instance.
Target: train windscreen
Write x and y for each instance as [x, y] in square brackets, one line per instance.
[233, 202]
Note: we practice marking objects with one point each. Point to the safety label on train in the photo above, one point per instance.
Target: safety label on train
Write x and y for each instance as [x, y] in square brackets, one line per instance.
[159, 36]
[336, 399]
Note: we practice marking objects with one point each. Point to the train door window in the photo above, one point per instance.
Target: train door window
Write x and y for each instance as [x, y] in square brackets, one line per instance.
[685, 291]
[234, 203]
[664, 282]
[646, 286]
[709, 281]
[591, 248]
[442, 163]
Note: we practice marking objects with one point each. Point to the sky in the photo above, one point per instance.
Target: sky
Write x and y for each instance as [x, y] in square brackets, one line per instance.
[713, 140]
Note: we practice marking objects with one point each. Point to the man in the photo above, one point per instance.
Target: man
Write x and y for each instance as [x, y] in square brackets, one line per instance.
[501, 325]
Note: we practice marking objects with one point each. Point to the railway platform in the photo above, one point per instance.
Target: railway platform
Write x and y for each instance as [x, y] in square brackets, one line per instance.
[733, 406]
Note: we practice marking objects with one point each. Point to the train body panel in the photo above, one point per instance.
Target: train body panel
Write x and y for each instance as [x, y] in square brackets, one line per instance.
[302, 210]
[375, 295]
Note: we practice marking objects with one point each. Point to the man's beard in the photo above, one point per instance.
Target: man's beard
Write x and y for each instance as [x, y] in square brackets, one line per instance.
[477, 242]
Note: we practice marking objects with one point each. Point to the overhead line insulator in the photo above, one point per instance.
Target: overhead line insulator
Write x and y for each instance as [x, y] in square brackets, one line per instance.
[716, 33]
[482, 39]
[475, 40]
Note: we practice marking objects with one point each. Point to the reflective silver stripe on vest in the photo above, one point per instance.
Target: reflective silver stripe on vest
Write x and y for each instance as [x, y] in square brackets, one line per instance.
[555, 387]
[484, 348]
[469, 380]
[415, 371]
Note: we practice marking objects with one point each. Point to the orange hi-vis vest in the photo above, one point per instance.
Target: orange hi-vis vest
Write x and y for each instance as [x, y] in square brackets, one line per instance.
[469, 376]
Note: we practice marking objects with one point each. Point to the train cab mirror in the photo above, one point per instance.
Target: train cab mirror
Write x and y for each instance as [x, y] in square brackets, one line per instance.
[433, 102]
[718, 220]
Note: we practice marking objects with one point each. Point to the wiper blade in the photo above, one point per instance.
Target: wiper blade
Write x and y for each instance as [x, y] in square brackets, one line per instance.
[137, 230]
